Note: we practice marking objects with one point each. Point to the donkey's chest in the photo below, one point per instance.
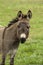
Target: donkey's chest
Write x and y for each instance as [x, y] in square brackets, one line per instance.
[14, 45]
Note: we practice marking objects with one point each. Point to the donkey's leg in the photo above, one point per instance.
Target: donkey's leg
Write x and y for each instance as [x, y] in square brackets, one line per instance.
[12, 57]
[12, 60]
[3, 59]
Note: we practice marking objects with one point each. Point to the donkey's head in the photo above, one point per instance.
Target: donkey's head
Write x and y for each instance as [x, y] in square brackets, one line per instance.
[23, 25]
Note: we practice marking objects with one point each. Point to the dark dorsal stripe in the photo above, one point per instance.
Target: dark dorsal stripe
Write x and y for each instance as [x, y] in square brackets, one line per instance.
[12, 22]
[4, 32]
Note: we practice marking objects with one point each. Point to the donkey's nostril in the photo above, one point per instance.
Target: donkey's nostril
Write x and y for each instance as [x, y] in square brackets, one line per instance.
[23, 40]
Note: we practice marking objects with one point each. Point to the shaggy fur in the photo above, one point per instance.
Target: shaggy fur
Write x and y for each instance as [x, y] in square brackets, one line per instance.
[10, 36]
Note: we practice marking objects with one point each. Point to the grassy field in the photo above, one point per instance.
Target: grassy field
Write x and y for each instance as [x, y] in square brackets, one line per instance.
[30, 53]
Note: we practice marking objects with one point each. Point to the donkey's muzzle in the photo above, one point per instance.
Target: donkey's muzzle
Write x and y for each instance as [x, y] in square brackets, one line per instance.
[23, 37]
[23, 40]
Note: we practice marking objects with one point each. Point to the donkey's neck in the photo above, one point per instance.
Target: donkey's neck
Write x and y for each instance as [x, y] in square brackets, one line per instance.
[12, 32]
[11, 37]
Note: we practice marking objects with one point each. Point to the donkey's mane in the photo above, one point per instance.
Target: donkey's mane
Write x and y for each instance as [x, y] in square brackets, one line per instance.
[13, 21]
[16, 20]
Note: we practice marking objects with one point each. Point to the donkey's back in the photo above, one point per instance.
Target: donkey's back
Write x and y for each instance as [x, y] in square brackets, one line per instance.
[1, 34]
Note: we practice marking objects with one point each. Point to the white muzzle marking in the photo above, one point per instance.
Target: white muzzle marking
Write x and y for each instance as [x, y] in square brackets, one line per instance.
[23, 35]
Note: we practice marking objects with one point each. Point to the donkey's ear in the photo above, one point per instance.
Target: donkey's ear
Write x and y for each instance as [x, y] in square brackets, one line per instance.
[29, 14]
[19, 15]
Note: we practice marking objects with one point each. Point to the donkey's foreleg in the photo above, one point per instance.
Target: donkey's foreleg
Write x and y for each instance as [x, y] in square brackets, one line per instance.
[12, 57]
[12, 60]
[3, 59]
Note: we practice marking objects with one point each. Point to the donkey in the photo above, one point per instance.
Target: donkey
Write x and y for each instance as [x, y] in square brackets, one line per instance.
[10, 36]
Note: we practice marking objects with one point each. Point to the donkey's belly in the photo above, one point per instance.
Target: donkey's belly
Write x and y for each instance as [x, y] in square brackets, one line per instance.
[1, 33]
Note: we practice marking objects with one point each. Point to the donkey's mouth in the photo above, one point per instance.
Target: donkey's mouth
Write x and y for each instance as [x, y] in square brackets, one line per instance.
[23, 37]
[23, 40]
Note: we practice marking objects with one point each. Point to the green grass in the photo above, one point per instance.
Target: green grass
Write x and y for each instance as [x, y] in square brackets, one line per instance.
[31, 52]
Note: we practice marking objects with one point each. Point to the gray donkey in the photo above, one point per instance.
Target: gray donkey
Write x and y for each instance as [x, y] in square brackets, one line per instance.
[15, 32]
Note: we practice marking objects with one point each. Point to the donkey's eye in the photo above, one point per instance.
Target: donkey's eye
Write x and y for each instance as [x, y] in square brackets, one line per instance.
[28, 27]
